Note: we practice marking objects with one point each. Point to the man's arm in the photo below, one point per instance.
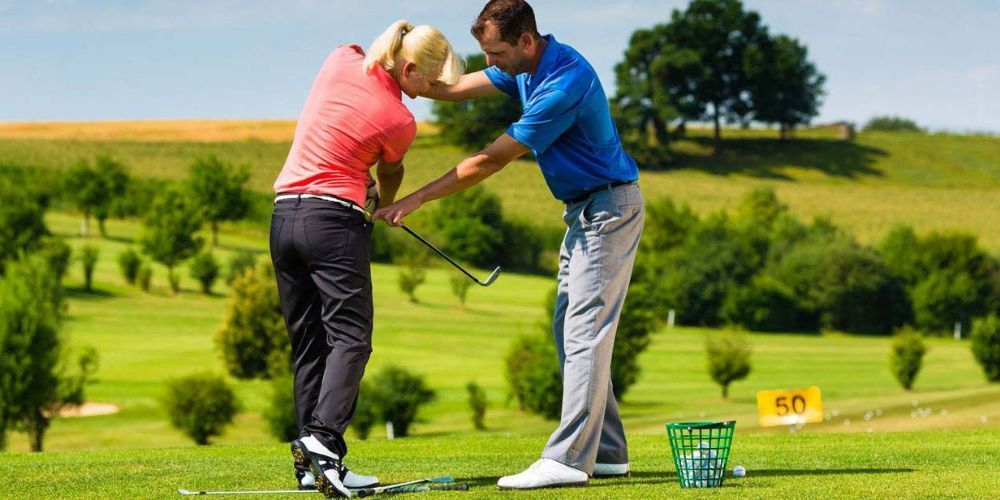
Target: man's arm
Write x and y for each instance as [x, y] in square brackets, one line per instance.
[390, 176]
[470, 86]
[466, 174]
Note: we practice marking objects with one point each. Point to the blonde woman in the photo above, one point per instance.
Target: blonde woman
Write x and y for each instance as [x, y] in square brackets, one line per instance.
[353, 119]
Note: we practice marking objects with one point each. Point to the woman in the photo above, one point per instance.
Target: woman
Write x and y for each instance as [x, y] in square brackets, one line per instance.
[320, 235]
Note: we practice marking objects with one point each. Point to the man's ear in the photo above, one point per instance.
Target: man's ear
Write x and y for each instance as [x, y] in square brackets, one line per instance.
[526, 41]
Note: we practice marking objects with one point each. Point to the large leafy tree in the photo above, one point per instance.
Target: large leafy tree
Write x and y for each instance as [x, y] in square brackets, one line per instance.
[170, 229]
[113, 181]
[219, 189]
[93, 189]
[22, 223]
[785, 87]
[642, 108]
[475, 123]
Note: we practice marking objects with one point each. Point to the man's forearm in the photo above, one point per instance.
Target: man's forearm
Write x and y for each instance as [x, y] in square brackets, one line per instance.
[466, 174]
[388, 185]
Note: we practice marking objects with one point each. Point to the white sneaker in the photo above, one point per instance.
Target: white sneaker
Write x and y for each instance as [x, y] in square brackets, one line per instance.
[325, 464]
[611, 470]
[544, 473]
[352, 480]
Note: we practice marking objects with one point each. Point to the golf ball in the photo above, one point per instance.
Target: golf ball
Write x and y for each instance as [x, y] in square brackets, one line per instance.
[739, 471]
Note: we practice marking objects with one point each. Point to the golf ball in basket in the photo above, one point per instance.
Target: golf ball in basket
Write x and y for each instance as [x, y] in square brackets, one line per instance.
[739, 471]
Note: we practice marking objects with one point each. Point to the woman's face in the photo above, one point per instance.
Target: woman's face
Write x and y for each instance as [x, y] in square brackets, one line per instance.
[414, 82]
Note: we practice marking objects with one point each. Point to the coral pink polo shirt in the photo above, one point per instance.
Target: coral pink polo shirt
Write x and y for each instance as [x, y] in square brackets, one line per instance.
[351, 120]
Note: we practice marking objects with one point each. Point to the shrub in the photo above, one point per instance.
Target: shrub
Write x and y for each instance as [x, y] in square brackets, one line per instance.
[200, 405]
[891, 124]
[21, 221]
[766, 305]
[477, 403]
[471, 223]
[282, 421]
[205, 269]
[57, 253]
[667, 225]
[88, 257]
[635, 325]
[944, 298]
[240, 262]
[728, 359]
[986, 345]
[460, 285]
[365, 412]
[144, 277]
[397, 396]
[907, 354]
[533, 376]
[477, 122]
[410, 277]
[523, 244]
[129, 263]
[253, 341]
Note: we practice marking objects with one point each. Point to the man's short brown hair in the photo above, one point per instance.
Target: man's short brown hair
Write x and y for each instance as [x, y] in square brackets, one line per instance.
[511, 17]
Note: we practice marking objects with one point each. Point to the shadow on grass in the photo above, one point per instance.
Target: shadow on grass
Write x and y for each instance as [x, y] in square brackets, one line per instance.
[119, 239]
[92, 294]
[764, 158]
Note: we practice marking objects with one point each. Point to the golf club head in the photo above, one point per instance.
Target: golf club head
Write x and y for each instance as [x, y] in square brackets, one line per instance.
[493, 277]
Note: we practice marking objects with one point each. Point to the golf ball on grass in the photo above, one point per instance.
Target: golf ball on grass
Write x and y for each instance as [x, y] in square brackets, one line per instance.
[739, 471]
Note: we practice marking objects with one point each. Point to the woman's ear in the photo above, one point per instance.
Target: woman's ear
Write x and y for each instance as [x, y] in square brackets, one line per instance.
[408, 69]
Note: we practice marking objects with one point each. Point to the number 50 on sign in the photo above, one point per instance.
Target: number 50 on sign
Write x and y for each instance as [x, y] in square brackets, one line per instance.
[789, 407]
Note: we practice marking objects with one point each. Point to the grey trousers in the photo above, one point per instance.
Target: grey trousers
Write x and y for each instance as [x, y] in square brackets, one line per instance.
[595, 266]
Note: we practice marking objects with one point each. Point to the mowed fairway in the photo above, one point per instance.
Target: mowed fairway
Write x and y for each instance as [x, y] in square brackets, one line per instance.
[939, 440]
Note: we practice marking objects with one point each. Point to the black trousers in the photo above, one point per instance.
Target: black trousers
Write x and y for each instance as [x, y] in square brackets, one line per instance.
[321, 256]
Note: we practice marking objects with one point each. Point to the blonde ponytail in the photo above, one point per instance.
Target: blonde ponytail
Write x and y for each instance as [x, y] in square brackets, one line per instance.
[423, 45]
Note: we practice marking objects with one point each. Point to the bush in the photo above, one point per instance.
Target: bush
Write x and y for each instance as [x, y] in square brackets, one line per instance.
[460, 285]
[635, 325]
[471, 223]
[533, 375]
[523, 245]
[667, 225]
[477, 403]
[144, 277]
[475, 123]
[241, 261]
[397, 396]
[282, 421]
[205, 269]
[57, 253]
[253, 341]
[986, 345]
[88, 257]
[728, 359]
[846, 286]
[891, 124]
[129, 263]
[365, 412]
[907, 354]
[944, 298]
[410, 277]
[766, 305]
[200, 405]
[21, 221]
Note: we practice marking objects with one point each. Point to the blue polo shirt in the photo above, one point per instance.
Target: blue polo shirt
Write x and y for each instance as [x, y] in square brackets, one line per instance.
[567, 123]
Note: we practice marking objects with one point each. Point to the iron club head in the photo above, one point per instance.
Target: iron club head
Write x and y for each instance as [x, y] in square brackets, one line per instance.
[493, 277]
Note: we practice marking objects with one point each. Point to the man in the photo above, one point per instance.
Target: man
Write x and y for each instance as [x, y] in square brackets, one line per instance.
[568, 126]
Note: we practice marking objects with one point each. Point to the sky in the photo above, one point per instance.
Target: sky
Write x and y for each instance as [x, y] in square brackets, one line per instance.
[934, 61]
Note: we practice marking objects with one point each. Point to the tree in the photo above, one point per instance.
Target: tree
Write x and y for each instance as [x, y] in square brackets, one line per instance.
[472, 225]
[728, 359]
[701, 64]
[397, 395]
[785, 87]
[22, 223]
[205, 269]
[475, 123]
[36, 381]
[477, 403]
[460, 285]
[219, 190]
[200, 405]
[169, 230]
[891, 124]
[643, 108]
[114, 182]
[533, 375]
[88, 257]
[907, 354]
[986, 345]
[411, 276]
[253, 341]
[94, 189]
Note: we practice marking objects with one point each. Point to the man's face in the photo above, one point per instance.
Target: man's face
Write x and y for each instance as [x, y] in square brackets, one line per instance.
[511, 59]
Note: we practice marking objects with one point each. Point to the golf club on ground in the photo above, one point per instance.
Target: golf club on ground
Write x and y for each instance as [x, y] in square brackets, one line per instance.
[442, 482]
[489, 281]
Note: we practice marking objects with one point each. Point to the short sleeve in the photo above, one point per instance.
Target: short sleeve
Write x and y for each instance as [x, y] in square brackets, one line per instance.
[506, 83]
[398, 141]
[546, 116]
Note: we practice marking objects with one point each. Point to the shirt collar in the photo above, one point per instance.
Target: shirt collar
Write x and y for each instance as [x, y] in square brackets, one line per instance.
[548, 61]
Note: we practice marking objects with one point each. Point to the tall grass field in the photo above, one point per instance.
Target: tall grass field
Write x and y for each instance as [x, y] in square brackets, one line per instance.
[941, 439]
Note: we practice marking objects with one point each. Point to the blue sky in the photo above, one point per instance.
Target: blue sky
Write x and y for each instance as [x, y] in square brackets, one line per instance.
[935, 61]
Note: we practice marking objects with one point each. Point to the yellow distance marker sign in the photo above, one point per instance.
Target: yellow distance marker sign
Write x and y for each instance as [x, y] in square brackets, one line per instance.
[789, 407]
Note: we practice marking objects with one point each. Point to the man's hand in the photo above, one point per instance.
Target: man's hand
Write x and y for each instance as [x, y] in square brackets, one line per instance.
[393, 214]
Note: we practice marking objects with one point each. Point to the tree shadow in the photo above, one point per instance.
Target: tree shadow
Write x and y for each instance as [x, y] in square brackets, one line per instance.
[765, 158]
[83, 294]
[119, 239]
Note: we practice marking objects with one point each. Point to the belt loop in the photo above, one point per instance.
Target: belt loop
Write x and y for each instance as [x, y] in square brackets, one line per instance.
[298, 200]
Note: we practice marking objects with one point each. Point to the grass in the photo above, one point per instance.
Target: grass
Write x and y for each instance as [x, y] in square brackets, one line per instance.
[951, 464]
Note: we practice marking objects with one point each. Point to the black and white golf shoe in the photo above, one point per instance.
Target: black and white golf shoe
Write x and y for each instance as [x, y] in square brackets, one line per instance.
[326, 467]
[307, 479]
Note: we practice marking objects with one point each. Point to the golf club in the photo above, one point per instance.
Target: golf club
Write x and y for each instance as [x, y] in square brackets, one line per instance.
[489, 281]
[443, 482]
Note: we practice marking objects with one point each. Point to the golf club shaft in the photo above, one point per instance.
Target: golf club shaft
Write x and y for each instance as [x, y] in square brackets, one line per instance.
[442, 254]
